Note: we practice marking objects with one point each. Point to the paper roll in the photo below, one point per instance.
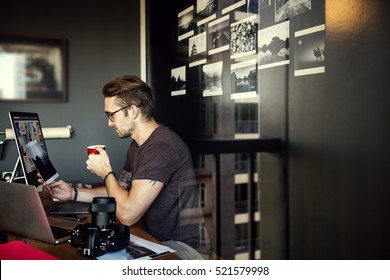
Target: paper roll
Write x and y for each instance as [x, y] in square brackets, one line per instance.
[48, 132]
[56, 132]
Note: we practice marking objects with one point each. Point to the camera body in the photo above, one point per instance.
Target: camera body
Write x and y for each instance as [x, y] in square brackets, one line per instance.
[103, 234]
[95, 242]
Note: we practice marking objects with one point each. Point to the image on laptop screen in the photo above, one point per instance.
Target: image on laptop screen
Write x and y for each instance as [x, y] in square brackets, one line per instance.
[31, 147]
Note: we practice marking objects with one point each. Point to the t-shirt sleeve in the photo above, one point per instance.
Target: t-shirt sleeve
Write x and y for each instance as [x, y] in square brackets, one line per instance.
[158, 163]
[127, 166]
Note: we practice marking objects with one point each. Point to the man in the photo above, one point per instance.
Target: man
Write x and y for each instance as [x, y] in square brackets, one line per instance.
[157, 185]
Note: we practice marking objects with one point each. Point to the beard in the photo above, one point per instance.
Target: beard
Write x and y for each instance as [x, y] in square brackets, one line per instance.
[127, 132]
[123, 136]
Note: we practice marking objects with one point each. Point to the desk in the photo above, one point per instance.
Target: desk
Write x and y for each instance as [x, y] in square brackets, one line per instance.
[65, 250]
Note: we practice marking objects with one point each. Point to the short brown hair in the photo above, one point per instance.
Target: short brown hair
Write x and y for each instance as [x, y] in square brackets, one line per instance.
[131, 90]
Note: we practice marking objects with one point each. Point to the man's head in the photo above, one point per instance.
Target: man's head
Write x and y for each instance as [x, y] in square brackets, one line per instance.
[128, 101]
[130, 90]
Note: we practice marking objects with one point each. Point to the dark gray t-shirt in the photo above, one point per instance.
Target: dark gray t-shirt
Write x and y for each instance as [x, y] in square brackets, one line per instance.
[175, 214]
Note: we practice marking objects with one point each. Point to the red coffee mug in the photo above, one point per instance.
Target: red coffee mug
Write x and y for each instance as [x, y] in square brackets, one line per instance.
[92, 149]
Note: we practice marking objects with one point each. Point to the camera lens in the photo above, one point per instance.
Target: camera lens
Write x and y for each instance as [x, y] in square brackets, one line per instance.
[103, 212]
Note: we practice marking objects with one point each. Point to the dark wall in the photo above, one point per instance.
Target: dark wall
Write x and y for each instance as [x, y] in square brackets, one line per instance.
[338, 131]
[163, 54]
[103, 42]
[331, 200]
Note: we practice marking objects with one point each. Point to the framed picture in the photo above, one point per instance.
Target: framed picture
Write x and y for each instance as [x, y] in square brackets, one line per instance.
[33, 69]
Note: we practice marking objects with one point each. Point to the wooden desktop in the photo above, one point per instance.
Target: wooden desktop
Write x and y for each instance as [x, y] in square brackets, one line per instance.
[65, 251]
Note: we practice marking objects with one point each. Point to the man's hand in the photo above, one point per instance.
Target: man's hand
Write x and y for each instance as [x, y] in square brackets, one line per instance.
[99, 164]
[58, 189]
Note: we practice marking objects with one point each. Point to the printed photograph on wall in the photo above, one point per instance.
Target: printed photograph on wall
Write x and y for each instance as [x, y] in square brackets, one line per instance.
[185, 23]
[218, 35]
[252, 6]
[243, 79]
[309, 51]
[286, 9]
[274, 49]
[230, 5]
[264, 4]
[178, 81]
[206, 11]
[32, 69]
[266, 13]
[212, 79]
[197, 49]
[243, 37]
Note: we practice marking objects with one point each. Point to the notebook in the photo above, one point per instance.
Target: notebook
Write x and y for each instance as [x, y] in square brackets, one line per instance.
[31, 146]
[22, 213]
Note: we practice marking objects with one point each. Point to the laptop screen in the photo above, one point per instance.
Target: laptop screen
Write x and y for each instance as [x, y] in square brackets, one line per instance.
[31, 147]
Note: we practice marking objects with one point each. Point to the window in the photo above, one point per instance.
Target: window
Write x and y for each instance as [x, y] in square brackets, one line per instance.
[246, 117]
[202, 194]
[241, 164]
[241, 238]
[199, 161]
[241, 198]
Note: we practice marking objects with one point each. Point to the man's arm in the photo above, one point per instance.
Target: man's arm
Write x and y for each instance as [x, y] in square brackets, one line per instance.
[87, 195]
[130, 206]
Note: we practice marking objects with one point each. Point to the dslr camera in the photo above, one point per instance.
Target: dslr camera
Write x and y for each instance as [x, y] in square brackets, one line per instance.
[103, 235]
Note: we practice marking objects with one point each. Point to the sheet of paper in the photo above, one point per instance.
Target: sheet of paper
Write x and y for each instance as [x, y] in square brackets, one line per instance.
[139, 248]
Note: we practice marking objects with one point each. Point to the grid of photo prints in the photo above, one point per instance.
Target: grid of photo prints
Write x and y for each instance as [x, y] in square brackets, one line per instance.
[230, 42]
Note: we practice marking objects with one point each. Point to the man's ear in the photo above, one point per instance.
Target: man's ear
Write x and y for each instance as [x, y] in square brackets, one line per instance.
[134, 111]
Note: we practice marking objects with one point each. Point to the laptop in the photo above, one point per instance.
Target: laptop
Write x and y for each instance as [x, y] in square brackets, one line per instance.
[22, 213]
[34, 158]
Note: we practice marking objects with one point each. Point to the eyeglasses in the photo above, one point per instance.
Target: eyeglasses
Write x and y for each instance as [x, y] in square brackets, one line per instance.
[110, 116]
